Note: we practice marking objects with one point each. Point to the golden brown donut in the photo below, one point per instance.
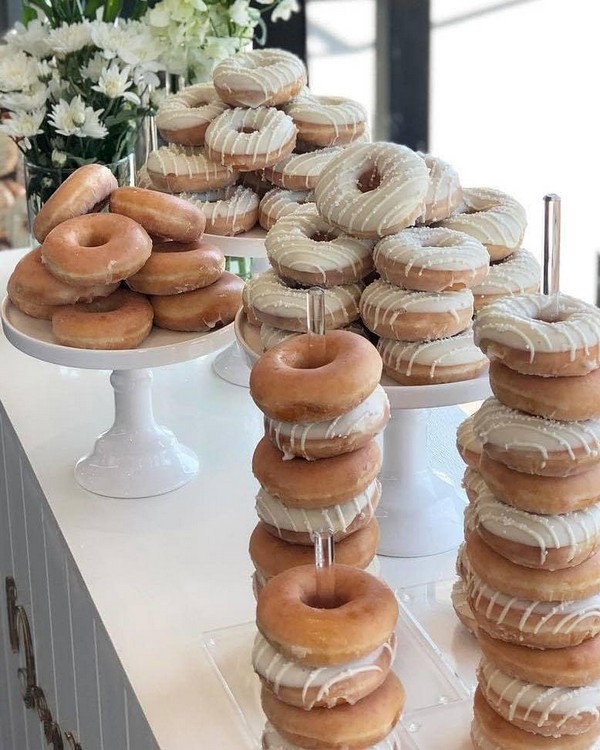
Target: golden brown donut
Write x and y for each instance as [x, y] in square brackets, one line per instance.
[96, 249]
[360, 726]
[571, 666]
[313, 484]
[541, 494]
[566, 399]
[468, 444]
[289, 617]
[203, 309]
[289, 384]
[160, 214]
[490, 731]
[87, 189]
[119, 321]
[175, 267]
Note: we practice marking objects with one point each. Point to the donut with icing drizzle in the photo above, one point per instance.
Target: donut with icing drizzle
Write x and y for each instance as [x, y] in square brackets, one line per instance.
[327, 120]
[184, 116]
[300, 171]
[177, 169]
[518, 273]
[228, 211]
[468, 444]
[444, 193]
[278, 203]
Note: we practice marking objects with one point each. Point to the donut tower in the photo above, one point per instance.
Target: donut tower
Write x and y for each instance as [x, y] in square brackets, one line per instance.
[531, 562]
[324, 663]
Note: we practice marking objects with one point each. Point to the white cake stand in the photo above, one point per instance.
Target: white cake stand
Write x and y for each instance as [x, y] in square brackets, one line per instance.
[230, 363]
[136, 457]
[421, 510]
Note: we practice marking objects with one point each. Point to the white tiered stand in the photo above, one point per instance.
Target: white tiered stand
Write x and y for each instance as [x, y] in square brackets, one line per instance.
[136, 457]
[421, 509]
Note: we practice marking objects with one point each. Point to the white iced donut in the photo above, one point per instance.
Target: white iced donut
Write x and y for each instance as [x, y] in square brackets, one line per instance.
[300, 171]
[496, 219]
[444, 194]
[373, 189]
[270, 336]
[396, 313]
[461, 605]
[272, 740]
[184, 116]
[468, 444]
[427, 362]
[278, 203]
[327, 120]
[305, 248]
[228, 211]
[431, 259]
[519, 273]
[176, 169]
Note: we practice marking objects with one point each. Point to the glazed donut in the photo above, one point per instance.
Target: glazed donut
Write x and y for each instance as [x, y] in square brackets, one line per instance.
[366, 723]
[270, 336]
[444, 193]
[281, 305]
[278, 203]
[316, 483]
[372, 190]
[300, 171]
[250, 139]
[289, 617]
[160, 214]
[473, 484]
[580, 582]
[534, 445]
[84, 191]
[572, 666]
[177, 169]
[567, 399]
[519, 273]
[535, 541]
[184, 116]
[461, 606]
[396, 313]
[343, 434]
[431, 259]
[120, 321]
[489, 731]
[468, 444]
[272, 555]
[228, 211]
[305, 248]
[321, 687]
[426, 362]
[286, 385]
[298, 525]
[528, 335]
[494, 218]
[32, 287]
[272, 740]
[96, 249]
[541, 494]
[327, 120]
[175, 267]
[202, 309]
[259, 78]
[536, 708]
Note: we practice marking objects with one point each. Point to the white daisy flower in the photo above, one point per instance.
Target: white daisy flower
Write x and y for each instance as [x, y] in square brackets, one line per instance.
[23, 124]
[70, 37]
[32, 38]
[92, 127]
[284, 10]
[114, 83]
[18, 72]
[108, 38]
[27, 101]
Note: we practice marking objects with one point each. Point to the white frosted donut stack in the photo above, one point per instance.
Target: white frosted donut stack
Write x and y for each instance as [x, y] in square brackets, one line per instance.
[531, 563]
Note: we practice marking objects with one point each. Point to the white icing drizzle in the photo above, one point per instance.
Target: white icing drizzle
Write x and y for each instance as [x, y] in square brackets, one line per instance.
[191, 107]
[458, 597]
[493, 217]
[224, 205]
[509, 429]
[271, 336]
[335, 518]
[390, 206]
[521, 323]
[271, 132]
[466, 437]
[431, 249]
[517, 274]
[278, 203]
[444, 193]
[566, 530]
[364, 418]
[303, 170]
[269, 294]
[473, 483]
[254, 76]
[280, 671]
[184, 161]
[290, 246]
[555, 704]
[332, 111]
[453, 351]
[272, 740]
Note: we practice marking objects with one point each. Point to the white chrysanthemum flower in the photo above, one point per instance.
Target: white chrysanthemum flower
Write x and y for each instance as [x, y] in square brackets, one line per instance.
[74, 118]
[144, 76]
[70, 37]
[18, 72]
[108, 38]
[284, 10]
[59, 158]
[23, 124]
[114, 83]
[239, 12]
[32, 38]
[92, 127]
[45, 69]
[94, 67]
[27, 101]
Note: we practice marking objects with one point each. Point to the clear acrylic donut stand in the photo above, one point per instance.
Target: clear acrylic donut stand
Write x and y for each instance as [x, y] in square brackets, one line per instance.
[136, 457]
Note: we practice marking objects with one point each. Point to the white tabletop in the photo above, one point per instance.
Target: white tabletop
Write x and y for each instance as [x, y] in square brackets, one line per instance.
[161, 571]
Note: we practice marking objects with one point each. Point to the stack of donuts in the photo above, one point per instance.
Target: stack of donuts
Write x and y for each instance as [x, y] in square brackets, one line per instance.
[249, 146]
[531, 563]
[324, 667]
[150, 241]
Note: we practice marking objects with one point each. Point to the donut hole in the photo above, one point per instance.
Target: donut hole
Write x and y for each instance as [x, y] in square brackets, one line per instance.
[248, 130]
[552, 316]
[369, 180]
[322, 237]
[105, 305]
[311, 600]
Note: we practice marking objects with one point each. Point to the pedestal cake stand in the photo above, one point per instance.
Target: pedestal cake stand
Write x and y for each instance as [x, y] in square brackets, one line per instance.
[136, 457]
[421, 510]
[230, 363]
